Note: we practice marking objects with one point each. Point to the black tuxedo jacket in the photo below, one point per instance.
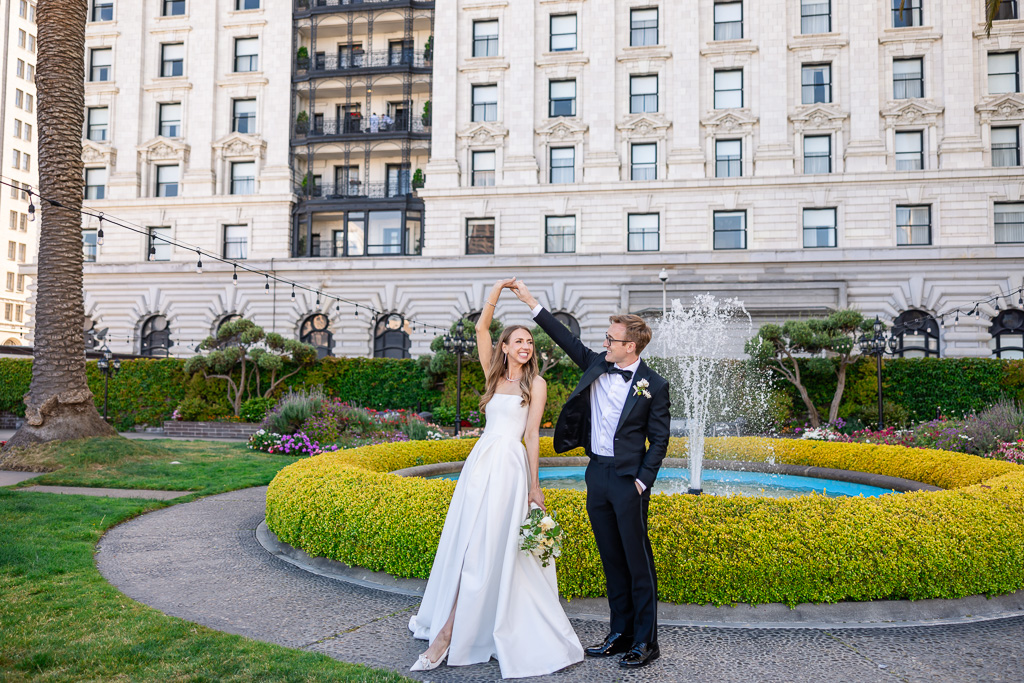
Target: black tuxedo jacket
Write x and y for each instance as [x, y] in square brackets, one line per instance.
[643, 419]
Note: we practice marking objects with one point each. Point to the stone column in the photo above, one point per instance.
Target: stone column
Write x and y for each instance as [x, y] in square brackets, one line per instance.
[518, 105]
[201, 107]
[601, 160]
[766, 87]
[681, 87]
[866, 150]
[961, 145]
[127, 111]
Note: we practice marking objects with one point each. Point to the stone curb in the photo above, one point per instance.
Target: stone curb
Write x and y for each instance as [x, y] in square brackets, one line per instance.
[874, 614]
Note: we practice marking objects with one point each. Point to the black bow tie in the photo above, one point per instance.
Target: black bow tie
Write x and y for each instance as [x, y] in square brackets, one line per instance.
[615, 370]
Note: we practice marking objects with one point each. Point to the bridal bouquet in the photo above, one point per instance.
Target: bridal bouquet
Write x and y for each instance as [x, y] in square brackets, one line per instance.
[541, 535]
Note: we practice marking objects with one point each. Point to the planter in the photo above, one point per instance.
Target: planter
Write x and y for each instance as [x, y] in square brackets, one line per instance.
[210, 430]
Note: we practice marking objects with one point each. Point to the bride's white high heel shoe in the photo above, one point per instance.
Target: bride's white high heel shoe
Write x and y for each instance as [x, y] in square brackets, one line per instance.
[424, 663]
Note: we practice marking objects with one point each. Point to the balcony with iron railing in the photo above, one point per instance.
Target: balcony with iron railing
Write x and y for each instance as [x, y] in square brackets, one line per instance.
[315, 6]
[356, 189]
[356, 125]
[376, 60]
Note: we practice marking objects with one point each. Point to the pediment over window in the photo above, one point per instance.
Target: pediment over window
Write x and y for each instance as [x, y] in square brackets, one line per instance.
[1007, 107]
[240, 145]
[818, 117]
[644, 125]
[910, 112]
[729, 120]
[94, 153]
[480, 133]
[563, 129]
[164, 149]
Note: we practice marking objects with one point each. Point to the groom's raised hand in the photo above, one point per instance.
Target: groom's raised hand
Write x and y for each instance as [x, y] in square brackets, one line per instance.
[523, 294]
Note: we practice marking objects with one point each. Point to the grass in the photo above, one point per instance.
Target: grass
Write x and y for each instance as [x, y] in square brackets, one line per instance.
[61, 621]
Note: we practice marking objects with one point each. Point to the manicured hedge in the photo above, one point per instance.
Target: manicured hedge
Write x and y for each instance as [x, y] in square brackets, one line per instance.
[963, 541]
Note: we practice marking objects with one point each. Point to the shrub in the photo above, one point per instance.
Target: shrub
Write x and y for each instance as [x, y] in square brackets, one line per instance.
[946, 544]
[293, 410]
[255, 409]
[196, 410]
[997, 424]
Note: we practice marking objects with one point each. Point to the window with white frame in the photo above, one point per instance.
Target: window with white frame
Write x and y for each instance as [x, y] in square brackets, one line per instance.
[906, 13]
[728, 88]
[243, 177]
[815, 16]
[562, 98]
[560, 234]
[815, 83]
[909, 150]
[485, 38]
[643, 232]
[1006, 146]
[643, 26]
[817, 154]
[159, 247]
[563, 165]
[89, 246]
[643, 94]
[1007, 10]
[95, 183]
[243, 116]
[170, 119]
[97, 123]
[101, 60]
[167, 181]
[1003, 72]
[819, 228]
[102, 10]
[730, 230]
[247, 55]
[643, 163]
[913, 225]
[236, 242]
[1009, 222]
[483, 169]
[480, 236]
[247, 4]
[907, 78]
[172, 60]
[728, 158]
[485, 103]
[173, 8]
[563, 32]
[728, 19]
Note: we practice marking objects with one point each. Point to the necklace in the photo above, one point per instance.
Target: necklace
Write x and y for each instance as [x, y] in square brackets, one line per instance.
[508, 378]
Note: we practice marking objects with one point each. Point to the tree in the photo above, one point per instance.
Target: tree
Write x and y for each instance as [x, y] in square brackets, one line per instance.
[240, 344]
[59, 405]
[778, 347]
[549, 354]
[991, 10]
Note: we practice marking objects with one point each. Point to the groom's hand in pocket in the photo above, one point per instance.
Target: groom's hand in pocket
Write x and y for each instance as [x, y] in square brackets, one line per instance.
[639, 488]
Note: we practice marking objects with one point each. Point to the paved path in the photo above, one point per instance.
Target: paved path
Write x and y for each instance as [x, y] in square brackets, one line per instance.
[108, 493]
[200, 561]
[6, 434]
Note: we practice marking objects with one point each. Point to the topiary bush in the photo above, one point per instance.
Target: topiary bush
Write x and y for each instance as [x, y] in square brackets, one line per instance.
[962, 541]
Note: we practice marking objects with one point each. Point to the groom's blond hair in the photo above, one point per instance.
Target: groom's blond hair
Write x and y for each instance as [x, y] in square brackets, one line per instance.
[637, 331]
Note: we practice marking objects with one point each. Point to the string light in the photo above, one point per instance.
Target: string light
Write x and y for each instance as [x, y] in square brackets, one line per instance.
[267, 285]
[234, 277]
[199, 264]
[99, 233]
[31, 208]
[293, 291]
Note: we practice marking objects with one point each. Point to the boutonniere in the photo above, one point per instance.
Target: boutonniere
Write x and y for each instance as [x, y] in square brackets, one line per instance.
[640, 388]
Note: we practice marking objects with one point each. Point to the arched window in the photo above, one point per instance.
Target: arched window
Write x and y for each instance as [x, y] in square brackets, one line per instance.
[391, 337]
[569, 321]
[917, 335]
[473, 317]
[156, 337]
[12, 342]
[229, 318]
[315, 332]
[1007, 332]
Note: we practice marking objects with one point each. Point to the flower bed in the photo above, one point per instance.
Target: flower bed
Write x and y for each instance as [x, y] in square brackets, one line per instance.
[963, 541]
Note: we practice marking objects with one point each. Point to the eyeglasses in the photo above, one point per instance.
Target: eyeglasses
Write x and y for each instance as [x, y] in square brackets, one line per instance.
[609, 339]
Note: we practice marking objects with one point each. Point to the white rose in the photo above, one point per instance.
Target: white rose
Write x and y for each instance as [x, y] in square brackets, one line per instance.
[546, 523]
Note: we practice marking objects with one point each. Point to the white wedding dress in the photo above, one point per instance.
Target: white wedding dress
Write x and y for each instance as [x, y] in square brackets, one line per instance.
[508, 604]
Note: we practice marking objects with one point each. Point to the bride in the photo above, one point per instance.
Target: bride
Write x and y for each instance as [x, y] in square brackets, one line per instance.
[486, 597]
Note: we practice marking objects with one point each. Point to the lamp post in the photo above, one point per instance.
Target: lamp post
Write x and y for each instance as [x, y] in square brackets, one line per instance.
[663, 276]
[878, 345]
[458, 344]
[108, 365]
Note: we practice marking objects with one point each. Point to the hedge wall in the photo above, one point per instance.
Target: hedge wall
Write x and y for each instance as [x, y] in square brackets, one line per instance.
[967, 540]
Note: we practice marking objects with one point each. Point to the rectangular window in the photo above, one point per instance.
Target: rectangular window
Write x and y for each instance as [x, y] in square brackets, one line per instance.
[560, 234]
[643, 27]
[728, 20]
[97, 121]
[819, 228]
[26, 162]
[562, 98]
[19, 69]
[643, 232]
[643, 162]
[21, 253]
[910, 14]
[22, 37]
[12, 249]
[95, 183]
[485, 38]
[913, 225]
[28, 102]
[19, 98]
[10, 282]
[15, 158]
[816, 83]
[730, 229]
[31, 73]
[28, 133]
[907, 78]
[1009, 219]
[1006, 146]
[18, 311]
[167, 181]
[485, 103]
[728, 158]
[102, 10]
[818, 154]
[100, 62]
[399, 181]
[89, 245]
[729, 89]
[172, 59]
[1007, 10]
[14, 220]
[23, 222]
[247, 4]
[31, 43]
[480, 236]
[22, 8]
[1003, 72]
[643, 94]
[247, 55]
[236, 242]
[159, 249]
[17, 128]
[563, 165]
[173, 8]
[21, 284]
[170, 119]
[563, 32]
[243, 116]
[243, 177]
[909, 150]
[483, 169]
[8, 311]
[413, 233]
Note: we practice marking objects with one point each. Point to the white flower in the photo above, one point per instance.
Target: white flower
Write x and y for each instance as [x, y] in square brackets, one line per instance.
[546, 523]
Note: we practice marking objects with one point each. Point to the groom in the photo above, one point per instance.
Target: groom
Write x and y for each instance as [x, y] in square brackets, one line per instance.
[619, 405]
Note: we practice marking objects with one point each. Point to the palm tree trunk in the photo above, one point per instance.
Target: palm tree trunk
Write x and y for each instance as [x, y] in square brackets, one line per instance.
[59, 404]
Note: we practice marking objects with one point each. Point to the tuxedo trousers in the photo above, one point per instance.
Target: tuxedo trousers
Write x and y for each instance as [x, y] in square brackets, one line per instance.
[618, 516]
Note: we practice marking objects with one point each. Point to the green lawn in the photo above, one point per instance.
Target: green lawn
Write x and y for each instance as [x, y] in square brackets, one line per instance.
[61, 621]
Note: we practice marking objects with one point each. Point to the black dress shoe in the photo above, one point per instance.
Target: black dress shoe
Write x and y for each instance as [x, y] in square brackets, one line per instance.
[641, 654]
[614, 644]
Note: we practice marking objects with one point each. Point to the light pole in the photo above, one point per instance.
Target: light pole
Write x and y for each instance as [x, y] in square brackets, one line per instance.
[458, 344]
[878, 345]
[663, 276]
[108, 365]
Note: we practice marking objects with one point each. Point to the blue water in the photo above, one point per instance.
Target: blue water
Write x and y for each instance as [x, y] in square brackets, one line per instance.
[718, 483]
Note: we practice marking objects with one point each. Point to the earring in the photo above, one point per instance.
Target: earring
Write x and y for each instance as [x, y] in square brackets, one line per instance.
[506, 359]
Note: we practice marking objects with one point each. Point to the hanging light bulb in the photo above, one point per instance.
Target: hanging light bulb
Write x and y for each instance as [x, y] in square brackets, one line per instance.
[1020, 297]
[99, 233]
[997, 304]
[31, 208]
[267, 285]
[293, 291]
[956, 318]
[234, 276]
[318, 298]
[199, 263]
[152, 251]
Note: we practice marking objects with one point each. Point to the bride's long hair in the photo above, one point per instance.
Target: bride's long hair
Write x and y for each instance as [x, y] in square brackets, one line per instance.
[499, 369]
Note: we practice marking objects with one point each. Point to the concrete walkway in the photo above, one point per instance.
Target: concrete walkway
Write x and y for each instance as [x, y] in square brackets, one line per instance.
[200, 561]
[6, 434]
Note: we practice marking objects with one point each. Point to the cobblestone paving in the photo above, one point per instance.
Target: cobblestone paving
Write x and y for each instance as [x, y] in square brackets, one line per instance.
[200, 561]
